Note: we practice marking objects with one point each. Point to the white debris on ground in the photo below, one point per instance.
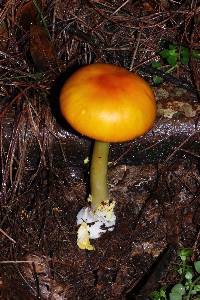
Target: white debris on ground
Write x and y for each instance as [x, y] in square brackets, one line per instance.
[94, 224]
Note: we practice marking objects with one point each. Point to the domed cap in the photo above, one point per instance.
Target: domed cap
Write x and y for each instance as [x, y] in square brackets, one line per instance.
[108, 103]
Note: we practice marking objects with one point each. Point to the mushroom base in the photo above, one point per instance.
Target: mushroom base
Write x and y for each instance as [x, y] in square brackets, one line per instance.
[94, 223]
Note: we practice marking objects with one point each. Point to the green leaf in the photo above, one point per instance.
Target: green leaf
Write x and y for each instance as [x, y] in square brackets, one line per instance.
[196, 54]
[175, 296]
[173, 52]
[185, 55]
[180, 270]
[197, 288]
[155, 295]
[158, 295]
[197, 266]
[163, 293]
[184, 253]
[172, 60]
[178, 289]
[156, 64]
[193, 292]
[188, 275]
[164, 53]
[170, 55]
[157, 80]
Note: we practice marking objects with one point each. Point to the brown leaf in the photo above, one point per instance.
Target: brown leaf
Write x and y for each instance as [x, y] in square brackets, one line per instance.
[3, 36]
[41, 48]
[148, 7]
[26, 14]
[60, 10]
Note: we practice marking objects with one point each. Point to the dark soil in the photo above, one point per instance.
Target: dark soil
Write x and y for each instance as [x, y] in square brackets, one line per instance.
[155, 179]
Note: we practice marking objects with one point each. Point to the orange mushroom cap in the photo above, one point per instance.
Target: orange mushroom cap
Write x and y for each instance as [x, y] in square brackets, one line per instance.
[108, 103]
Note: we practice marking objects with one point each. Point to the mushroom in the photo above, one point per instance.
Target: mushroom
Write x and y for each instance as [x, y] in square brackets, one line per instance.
[108, 104]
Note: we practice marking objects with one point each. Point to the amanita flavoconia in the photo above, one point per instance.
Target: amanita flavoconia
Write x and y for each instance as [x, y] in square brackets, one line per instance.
[108, 104]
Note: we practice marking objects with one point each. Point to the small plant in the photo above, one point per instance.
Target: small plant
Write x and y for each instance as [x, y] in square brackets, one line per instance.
[189, 286]
[172, 56]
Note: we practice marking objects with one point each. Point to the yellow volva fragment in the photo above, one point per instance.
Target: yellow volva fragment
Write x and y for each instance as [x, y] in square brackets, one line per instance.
[86, 160]
[108, 209]
[83, 241]
[89, 199]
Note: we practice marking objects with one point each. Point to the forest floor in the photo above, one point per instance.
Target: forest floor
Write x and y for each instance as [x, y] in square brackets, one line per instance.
[154, 179]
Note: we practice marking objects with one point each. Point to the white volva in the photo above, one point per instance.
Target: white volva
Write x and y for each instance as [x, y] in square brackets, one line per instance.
[98, 222]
